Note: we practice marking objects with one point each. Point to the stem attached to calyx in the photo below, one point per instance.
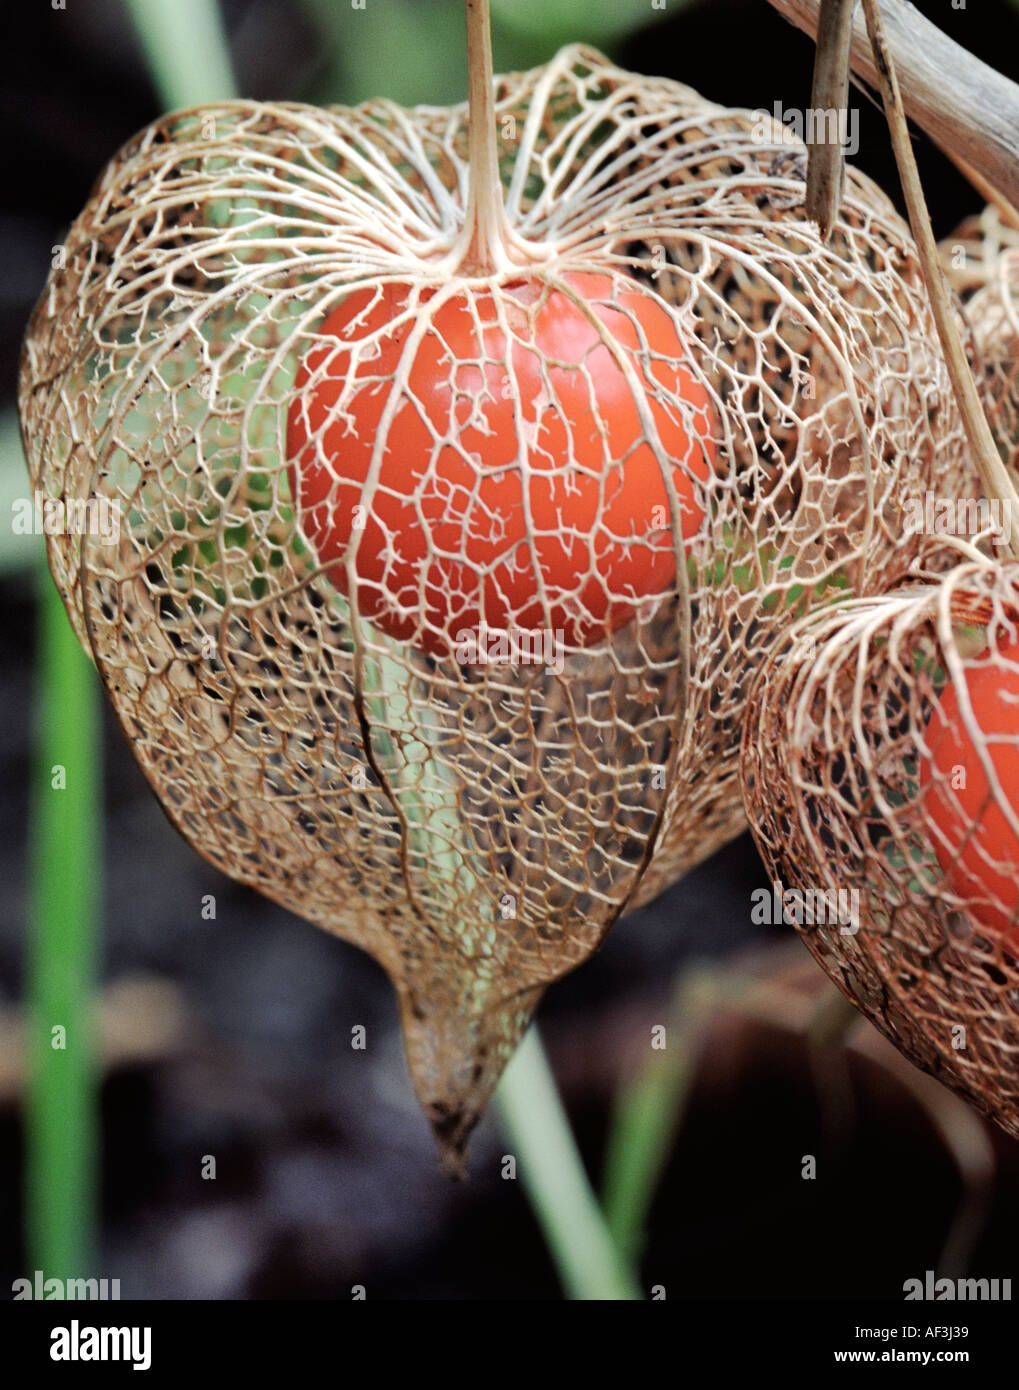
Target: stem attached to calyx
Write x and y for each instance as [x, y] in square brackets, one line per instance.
[487, 244]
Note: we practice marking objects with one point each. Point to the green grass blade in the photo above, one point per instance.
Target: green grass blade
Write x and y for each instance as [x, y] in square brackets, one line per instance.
[647, 1114]
[185, 49]
[183, 43]
[532, 1115]
[65, 865]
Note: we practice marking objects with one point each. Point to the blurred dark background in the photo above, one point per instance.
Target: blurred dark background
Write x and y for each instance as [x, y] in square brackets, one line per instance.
[235, 1033]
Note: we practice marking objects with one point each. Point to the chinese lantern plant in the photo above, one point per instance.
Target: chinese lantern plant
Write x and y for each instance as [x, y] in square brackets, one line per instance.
[350, 407]
[971, 777]
[498, 443]
[355, 397]
[971, 768]
[879, 759]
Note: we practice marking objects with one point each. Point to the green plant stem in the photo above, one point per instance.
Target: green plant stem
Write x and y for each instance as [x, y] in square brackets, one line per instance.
[647, 1114]
[183, 43]
[532, 1115]
[186, 50]
[61, 1128]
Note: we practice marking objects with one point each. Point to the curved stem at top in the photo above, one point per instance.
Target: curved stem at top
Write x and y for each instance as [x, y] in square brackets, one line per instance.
[994, 475]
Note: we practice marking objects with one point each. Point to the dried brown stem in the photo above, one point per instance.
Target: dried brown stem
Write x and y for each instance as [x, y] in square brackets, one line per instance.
[994, 475]
[959, 101]
[488, 244]
[826, 165]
